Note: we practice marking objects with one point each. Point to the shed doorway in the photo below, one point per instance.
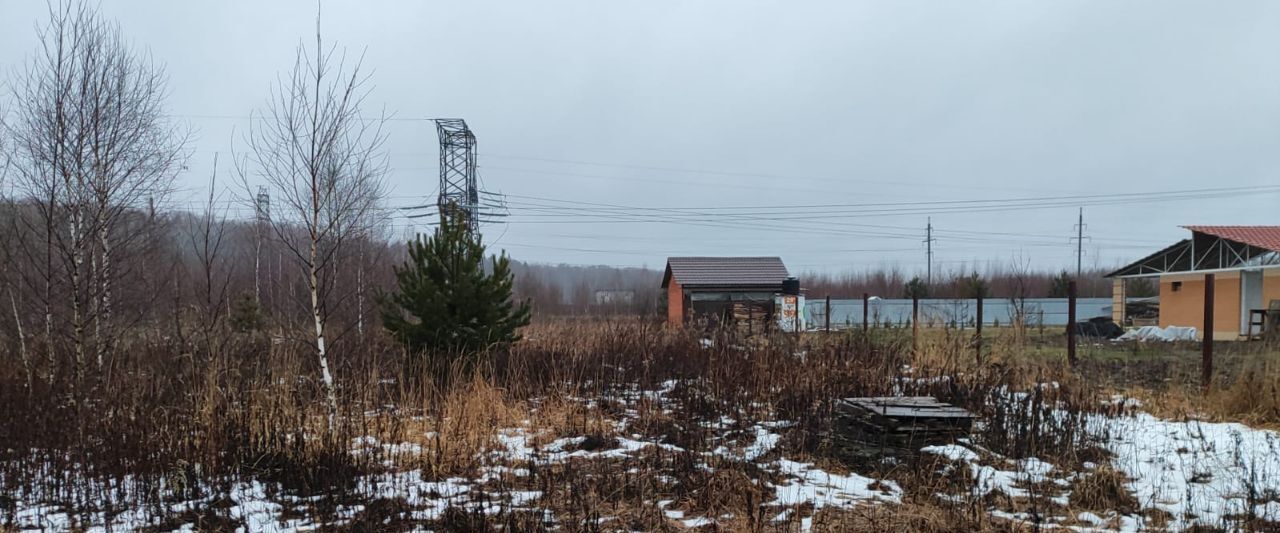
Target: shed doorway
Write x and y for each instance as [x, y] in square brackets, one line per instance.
[1250, 297]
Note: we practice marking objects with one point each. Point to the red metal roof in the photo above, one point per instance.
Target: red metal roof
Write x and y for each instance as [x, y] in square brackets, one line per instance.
[1261, 236]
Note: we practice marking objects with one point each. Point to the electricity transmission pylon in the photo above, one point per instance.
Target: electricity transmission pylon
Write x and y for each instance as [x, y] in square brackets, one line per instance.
[459, 193]
[262, 216]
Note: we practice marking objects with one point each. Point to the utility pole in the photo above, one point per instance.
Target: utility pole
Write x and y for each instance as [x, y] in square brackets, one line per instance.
[1079, 238]
[262, 216]
[1071, 324]
[928, 243]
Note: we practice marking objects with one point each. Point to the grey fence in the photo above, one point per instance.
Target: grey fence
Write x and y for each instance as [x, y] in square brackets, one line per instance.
[953, 312]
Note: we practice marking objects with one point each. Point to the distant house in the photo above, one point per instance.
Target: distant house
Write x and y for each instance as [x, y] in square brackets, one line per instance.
[721, 288]
[1244, 262]
[615, 297]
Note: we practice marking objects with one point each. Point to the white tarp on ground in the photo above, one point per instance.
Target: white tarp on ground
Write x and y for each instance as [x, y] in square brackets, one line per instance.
[1156, 333]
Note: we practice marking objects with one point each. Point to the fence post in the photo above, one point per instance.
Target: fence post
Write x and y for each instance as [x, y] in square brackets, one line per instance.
[915, 324]
[866, 311]
[977, 335]
[1071, 323]
[1206, 349]
[795, 323]
[828, 313]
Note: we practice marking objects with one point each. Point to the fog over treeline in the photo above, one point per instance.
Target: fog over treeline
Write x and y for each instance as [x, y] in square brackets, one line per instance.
[186, 262]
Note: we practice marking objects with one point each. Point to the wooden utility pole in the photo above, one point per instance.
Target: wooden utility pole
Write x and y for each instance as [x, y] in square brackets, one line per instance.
[915, 324]
[1080, 244]
[828, 313]
[1071, 323]
[977, 335]
[928, 242]
[1206, 349]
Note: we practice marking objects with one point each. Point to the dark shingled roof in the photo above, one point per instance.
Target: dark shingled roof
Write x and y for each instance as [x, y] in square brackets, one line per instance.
[693, 272]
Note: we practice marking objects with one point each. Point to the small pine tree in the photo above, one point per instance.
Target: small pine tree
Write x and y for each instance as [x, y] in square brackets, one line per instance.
[446, 302]
[246, 314]
[916, 288]
[974, 286]
[1058, 288]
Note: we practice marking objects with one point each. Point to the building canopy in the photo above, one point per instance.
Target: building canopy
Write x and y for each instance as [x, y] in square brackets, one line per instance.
[1211, 249]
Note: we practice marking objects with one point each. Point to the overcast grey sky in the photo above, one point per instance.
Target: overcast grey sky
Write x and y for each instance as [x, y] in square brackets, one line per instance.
[719, 104]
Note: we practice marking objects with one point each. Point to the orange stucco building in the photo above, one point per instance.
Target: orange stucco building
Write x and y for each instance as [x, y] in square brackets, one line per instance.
[1242, 261]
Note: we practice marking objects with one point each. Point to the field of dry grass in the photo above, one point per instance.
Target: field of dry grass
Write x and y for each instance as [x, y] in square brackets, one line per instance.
[625, 425]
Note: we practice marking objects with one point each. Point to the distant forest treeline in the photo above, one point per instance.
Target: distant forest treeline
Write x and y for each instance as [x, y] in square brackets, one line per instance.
[571, 289]
[181, 260]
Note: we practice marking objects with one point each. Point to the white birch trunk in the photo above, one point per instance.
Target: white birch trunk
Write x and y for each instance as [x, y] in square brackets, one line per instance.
[22, 339]
[104, 312]
[329, 389]
[360, 294]
[95, 305]
[48, 334]
[77, 262]
[48, 303]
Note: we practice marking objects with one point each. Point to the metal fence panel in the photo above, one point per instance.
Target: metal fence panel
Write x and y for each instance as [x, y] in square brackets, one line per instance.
[956, 312]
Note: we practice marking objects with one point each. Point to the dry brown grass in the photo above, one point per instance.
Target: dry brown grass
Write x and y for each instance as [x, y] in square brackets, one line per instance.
[1253, 398]
[561, 416]
[252, 409]
[1249, 394]
[909, 517]
[1103, 490]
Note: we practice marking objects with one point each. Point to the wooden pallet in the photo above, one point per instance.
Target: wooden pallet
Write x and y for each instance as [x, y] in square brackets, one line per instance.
[896, 425]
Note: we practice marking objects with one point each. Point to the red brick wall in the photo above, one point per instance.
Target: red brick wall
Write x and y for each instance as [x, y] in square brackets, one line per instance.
[675, 303]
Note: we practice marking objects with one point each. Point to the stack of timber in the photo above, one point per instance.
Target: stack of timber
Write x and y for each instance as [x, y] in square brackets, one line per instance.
[750, 317]
[895, 425]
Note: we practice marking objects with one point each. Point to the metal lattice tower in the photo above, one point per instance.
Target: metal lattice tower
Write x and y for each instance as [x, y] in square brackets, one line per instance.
[262, 213]
[262, 206]
[459, 192]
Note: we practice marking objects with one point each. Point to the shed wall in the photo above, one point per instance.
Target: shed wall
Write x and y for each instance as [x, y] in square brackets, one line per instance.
[1270, 286]
[1185, 307]
[675, 303]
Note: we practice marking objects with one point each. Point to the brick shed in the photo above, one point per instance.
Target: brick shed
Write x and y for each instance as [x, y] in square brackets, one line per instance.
[714, 287]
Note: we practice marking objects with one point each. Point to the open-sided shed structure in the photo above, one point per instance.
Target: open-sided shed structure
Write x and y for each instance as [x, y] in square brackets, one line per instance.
[1241, 262]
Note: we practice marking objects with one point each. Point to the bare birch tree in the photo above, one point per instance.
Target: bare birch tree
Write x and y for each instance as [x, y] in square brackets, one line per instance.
[326, 168]
[92, 146]
[8, 263]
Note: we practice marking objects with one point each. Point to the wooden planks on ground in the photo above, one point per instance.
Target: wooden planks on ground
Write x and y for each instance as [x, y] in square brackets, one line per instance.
[896, 425]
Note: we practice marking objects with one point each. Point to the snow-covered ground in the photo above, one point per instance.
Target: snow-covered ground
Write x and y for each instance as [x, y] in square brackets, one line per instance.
[1181, 473]
[1198, 472]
